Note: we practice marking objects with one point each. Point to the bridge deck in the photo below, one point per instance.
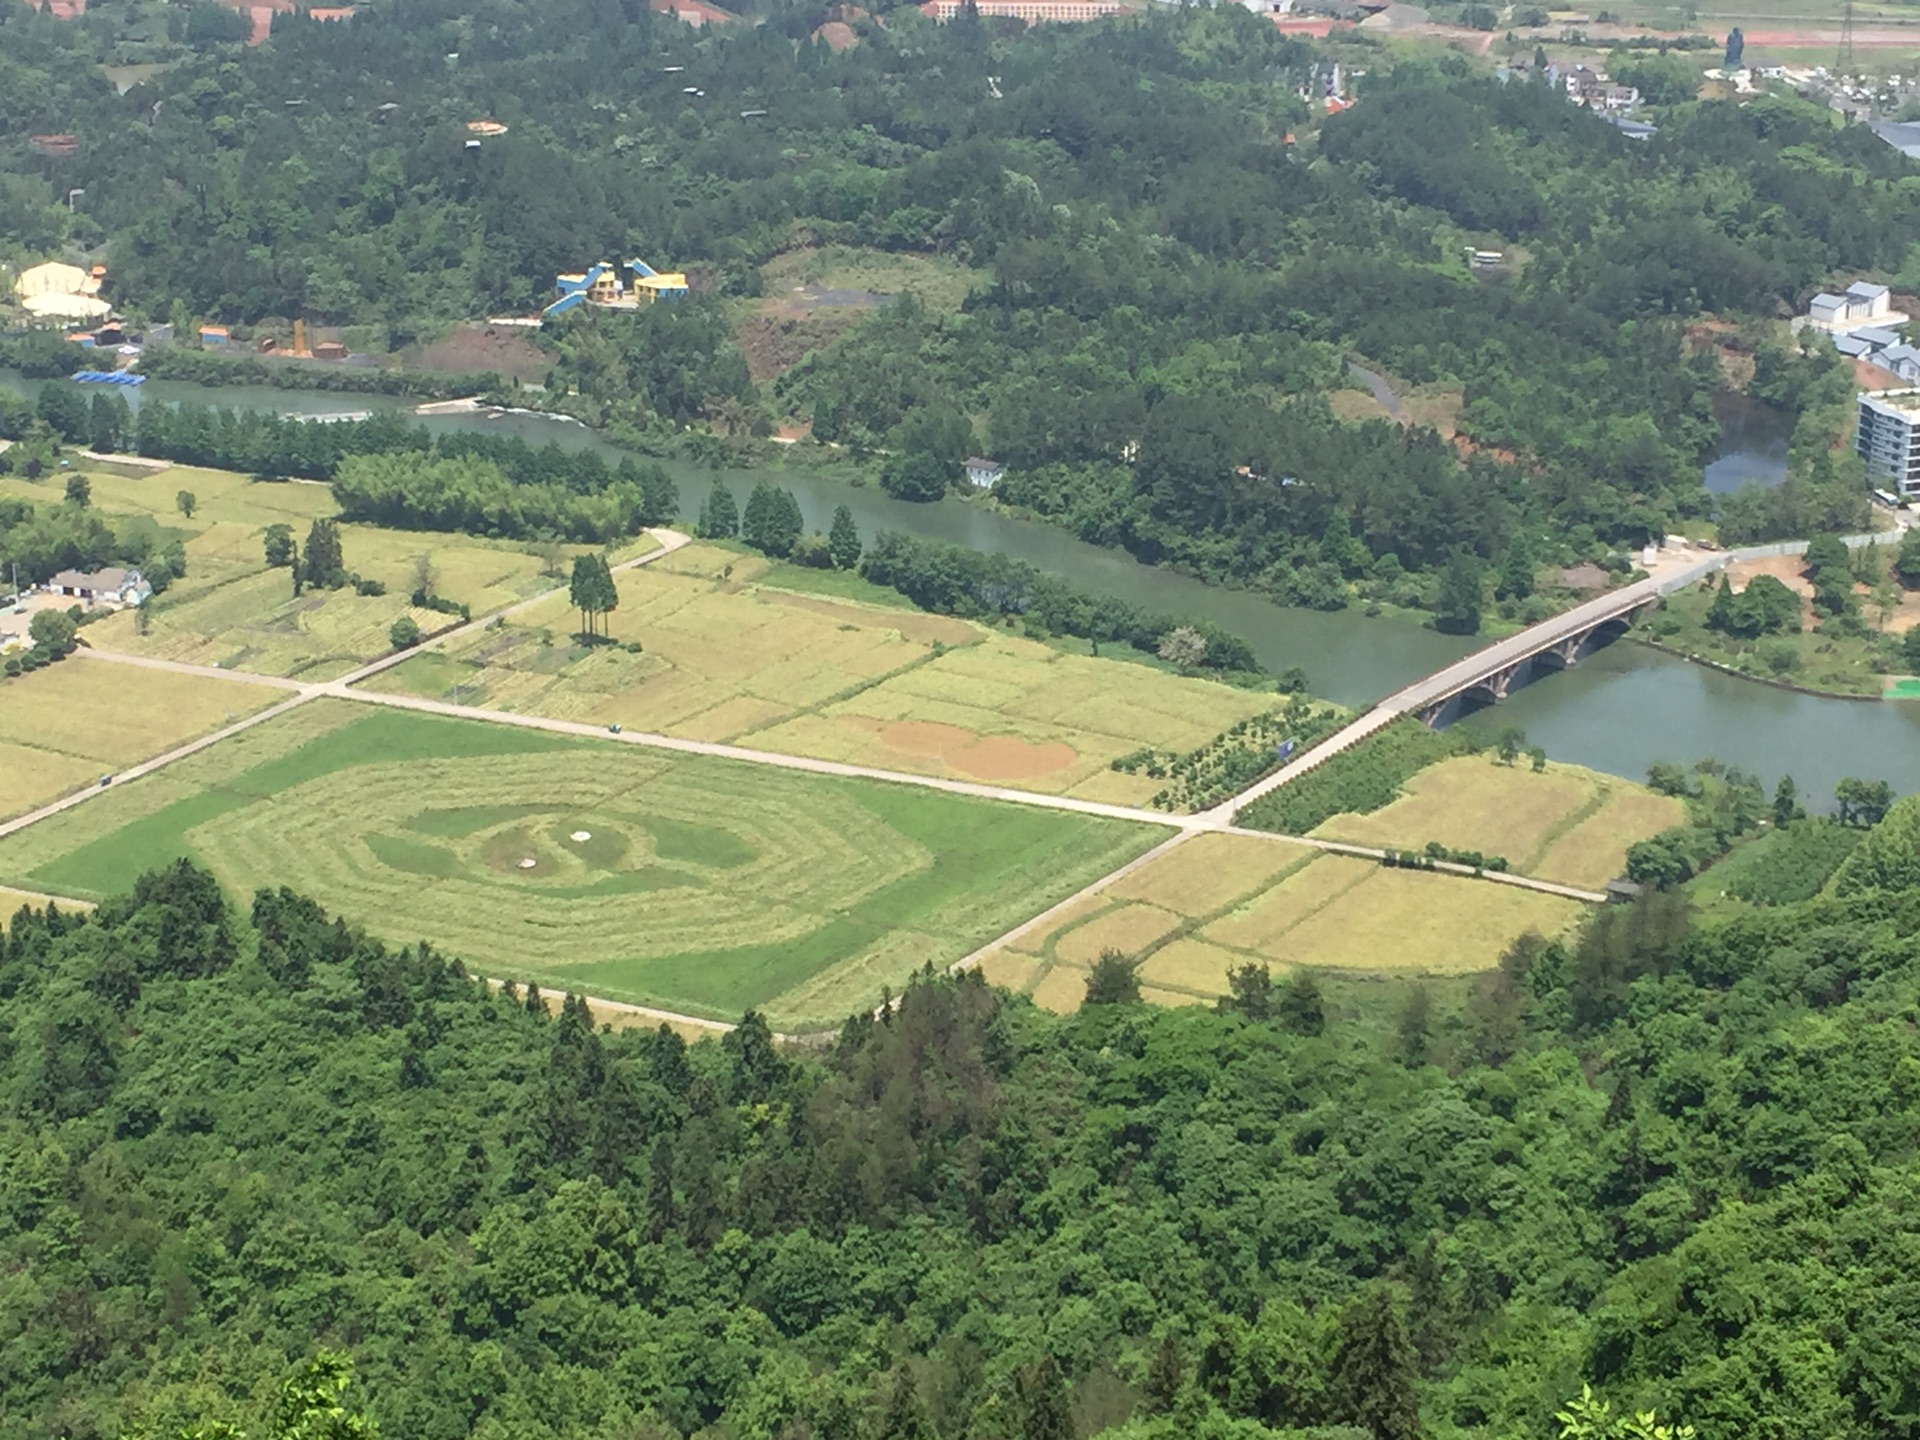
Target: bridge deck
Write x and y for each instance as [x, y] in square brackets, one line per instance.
[1483, 664]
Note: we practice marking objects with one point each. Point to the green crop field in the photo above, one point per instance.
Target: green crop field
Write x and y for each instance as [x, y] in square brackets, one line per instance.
[700, 885]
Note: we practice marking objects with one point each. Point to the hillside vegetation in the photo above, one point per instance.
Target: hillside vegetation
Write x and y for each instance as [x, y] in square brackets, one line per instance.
[1674, 1162]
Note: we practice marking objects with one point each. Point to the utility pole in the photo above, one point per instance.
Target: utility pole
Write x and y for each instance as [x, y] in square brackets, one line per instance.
[1843, 63]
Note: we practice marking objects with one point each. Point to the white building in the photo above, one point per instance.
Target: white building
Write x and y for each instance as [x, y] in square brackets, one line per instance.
[984, 474]
[1889, 439]
[109, 586]
[1862, 305]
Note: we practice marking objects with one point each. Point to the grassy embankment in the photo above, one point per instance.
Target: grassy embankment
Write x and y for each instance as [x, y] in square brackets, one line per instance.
[698, 885]
[1828, 659]
[730, 654]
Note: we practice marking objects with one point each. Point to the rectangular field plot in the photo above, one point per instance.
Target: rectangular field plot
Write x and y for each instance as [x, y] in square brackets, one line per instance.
[1565, 823]
[1218, 902]
[726, 658]
[232, 611]
[696, 885]
[66, 725]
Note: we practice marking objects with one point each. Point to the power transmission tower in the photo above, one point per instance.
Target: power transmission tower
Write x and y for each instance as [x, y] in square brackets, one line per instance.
[1843, 65]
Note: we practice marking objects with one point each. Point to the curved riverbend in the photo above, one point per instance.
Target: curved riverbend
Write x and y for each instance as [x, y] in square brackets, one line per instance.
[1621, 709]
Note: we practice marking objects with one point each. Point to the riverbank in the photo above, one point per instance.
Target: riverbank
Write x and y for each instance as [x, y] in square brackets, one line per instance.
[1849, 657]
[1619, 710]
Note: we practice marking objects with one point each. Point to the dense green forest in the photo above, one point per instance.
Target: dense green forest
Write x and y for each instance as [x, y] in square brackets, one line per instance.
[1672, 1158]
[1165, 290]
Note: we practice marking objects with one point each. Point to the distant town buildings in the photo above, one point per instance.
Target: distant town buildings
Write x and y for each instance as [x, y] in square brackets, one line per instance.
[1591, 88]
[1888, 438]
[1034, 12]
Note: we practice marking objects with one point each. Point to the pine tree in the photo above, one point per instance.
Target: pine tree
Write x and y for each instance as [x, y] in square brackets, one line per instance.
[1723, 614]
[784, 524]
[757, 519]
[906, 1417]
[1375, 1377]
[659, 497]
[719, 519]
[1046, 1409]
[1516, 571]
[606, 595]
[661, 1215]
[1619, 1105]
[1786, 795]
[843, 540]
[1300, 1008]
[1416, 1030]
[325, 564]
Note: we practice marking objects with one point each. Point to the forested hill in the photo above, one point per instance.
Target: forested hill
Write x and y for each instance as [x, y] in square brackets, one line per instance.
[1166, 254]
[1677, 1163]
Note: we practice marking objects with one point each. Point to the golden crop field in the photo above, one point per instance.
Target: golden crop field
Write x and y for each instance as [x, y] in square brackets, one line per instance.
[68, 724]
[11, 900]
[1217, 902]
[231, 611]
[728, 657]
[697, 885]
[1565, 823]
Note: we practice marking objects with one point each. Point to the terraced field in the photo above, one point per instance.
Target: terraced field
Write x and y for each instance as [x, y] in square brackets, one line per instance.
[726, 657]
[697, 885]
[1219, 902]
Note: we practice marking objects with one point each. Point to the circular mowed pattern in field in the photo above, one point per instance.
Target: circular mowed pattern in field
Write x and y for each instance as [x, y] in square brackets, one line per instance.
[564, 859]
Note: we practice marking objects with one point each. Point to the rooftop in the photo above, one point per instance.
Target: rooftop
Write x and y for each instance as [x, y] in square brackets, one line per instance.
[1905, 403]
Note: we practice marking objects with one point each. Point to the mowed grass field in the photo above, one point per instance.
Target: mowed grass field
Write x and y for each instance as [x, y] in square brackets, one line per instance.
[64, 726]
[1564, 823]
[1218, 902]
[232, 611]
[729, 656]
[696, 885]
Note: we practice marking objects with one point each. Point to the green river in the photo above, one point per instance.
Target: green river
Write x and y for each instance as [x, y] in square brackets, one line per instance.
[1618, 711]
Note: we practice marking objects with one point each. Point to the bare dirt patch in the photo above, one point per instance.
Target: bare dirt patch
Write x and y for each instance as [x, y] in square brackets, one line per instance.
[780, 335]
[990, 757]
[472, 349]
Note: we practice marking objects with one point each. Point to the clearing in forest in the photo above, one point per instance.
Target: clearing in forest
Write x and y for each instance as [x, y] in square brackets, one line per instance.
[1219, 902]
[1565, 823]
[697, 885]
[728, 655]
[65, 725]
[233, 611]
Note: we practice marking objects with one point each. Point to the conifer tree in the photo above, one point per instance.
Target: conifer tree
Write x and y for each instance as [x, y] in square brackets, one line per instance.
[1374, 1382]
[756, 520]
[843, 540]
[719, 518]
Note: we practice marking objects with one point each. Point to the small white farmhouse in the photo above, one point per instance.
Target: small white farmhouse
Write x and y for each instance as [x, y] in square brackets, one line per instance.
[984, 474]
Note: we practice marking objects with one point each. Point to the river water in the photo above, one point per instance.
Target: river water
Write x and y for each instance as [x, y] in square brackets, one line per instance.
[1618, 711]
